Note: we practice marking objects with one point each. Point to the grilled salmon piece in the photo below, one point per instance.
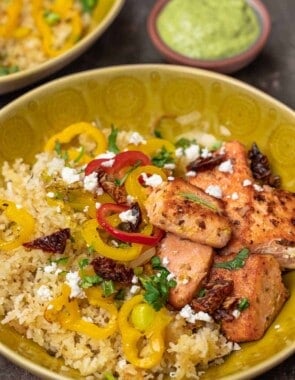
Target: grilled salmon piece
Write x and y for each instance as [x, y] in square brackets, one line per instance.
[188, 212]
[190, 262]
[261, 283]
[262, 218]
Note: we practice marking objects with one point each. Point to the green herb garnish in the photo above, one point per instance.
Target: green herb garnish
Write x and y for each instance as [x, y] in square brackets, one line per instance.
[88, 281]
[60, 261]
[157, 286]
[58, 149]
[243, 304]
[120, 182]
[83, 263]
[120, 295]
[80, 155]
[88, 5]
[196, 199]
[237, 263]
[158, 134]
[6, 70]
[109, 376]
[51, 18]
[108, 288]
[112, 140]
[90, 249]
[201, 293]
[184, 143]
[162, 157]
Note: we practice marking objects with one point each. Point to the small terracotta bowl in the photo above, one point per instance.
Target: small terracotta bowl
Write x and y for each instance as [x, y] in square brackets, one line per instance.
[223, 65]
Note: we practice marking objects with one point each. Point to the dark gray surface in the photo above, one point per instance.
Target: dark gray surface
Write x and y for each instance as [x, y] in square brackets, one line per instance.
[127, 42]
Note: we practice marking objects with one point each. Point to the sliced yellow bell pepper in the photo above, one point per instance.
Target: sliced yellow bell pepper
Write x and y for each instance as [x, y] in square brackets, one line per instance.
[135, 188]
[154, 334]
[91, 234]
[25, 224]
[66, 311]
[67, 135]
[12, 18]
[67, 12]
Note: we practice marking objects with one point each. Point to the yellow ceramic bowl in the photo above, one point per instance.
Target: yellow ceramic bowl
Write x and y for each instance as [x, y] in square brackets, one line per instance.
[140, 97]
[106, 12]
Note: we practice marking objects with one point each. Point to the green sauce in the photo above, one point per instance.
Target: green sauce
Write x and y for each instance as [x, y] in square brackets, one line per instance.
[208, 29]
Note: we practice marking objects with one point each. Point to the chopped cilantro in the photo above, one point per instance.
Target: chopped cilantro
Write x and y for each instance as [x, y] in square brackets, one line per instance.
[90, 249]
[162, 157]
[6, 70]
[237, 263]
[120, 182]
[88, 5]
[243, 304]
[108, 288]
[80, 155]
[158, 134]
[109, 376]
[61, 260]
[83, 263]
[112, 140]
[51, 18]
[88, 281]
[60, 152]
[201, 293]
[217, 145]
[157, 286]
[138, 271]
[196, 199]
[120, 295]
[184, 143]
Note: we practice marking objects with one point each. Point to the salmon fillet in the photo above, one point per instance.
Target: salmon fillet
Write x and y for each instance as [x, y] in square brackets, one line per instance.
[190, 262]
[188, 212]
[261, 283]
[262, 218]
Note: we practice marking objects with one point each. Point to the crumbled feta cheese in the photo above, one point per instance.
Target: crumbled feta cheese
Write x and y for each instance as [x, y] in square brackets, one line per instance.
[55, 166]
[165, 261]
[236, 313]
[191, 173]
[134, 289]
[97, 205]
[247, 182]
[85, 209]
[214, 191]
[235, 196]
[106, 155]
[179, 152]
[70, 175]
[257, 187]
[191, 316]
[205, 153]
[50, 194]
[128, 216]
[130, 199]
[192, 152]
[90, 182]
[108, 163]
[169, 166]
[170, 178]
[44, 293]
[99, 191]
[136, 139]
[122, 363]
[226, 167]
[73, 279]
[236, 347]
[50, 268]
[170, 276]
[153, 181]
[134, 279]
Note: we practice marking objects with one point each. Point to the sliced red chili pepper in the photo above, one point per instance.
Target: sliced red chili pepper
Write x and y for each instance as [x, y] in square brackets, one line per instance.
[123, 160]
[128, 237]
[93, 165]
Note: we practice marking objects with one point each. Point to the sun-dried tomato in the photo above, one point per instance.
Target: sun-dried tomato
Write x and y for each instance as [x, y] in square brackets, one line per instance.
[108, 269]
[202, 164]
[54, 243]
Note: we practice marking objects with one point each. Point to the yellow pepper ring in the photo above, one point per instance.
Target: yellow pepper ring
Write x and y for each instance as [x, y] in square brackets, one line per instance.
[133, 186]
[66, 11]
[74, 130]
[24, 221]
[12, 18]
[154, 335]
[67, 313]
[90, 233]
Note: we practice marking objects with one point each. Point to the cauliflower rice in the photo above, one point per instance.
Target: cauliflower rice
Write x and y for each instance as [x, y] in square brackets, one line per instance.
[29, 279]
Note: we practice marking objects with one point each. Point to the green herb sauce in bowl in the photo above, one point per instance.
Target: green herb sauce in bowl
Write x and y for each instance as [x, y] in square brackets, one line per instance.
[210, 29]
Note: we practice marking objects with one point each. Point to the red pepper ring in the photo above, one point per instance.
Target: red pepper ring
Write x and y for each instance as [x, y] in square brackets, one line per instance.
[129, 237]
[122, 160]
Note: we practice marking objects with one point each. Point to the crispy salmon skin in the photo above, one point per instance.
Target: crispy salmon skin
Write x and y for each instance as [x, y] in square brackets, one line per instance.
[188, 212]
